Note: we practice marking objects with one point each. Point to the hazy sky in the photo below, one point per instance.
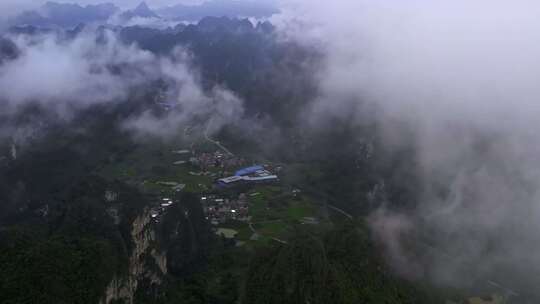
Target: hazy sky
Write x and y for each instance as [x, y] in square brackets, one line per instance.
[13, 6]
[131, 3]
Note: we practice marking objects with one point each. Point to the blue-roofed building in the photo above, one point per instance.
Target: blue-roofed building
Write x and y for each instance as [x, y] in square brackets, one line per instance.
[249, 170]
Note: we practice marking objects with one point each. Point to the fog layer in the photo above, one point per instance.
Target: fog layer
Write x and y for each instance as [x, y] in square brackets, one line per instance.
[463, 76]
[67, 75]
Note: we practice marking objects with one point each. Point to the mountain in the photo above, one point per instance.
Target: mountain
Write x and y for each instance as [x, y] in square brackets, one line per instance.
[141, 11]
[211, 24]
[32, 30]
[209, 29]
[218, 8]
[144, 11]
[31, 18]
[8, 50]
[65, 15]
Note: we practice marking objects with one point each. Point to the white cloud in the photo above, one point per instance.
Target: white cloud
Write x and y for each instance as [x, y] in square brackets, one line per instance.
[68, 75]
[55, 73]
[192, 105]
[463, 76]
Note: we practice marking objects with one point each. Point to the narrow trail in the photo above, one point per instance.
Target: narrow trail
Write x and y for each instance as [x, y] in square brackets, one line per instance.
[326, 198]
[340, 211]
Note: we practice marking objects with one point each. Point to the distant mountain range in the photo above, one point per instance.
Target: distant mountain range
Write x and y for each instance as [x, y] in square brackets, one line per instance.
[228, 51]
[218, 8]
[66, 15]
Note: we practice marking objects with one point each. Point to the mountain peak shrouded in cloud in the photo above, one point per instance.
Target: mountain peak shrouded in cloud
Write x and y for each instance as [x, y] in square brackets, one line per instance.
[142, 7]
[69, 14]
[141, 15]
[142, 11]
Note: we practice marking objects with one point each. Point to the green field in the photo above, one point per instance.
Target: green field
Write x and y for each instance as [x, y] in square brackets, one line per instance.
[275, 211]
[147, 166]
[272, 229]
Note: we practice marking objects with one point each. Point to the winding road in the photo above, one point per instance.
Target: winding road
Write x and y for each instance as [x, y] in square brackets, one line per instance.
[215, 142]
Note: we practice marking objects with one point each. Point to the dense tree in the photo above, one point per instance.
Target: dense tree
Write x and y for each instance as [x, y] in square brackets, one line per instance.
[340, 268]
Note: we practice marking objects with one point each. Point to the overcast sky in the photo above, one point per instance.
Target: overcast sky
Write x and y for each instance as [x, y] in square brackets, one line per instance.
[11, 5]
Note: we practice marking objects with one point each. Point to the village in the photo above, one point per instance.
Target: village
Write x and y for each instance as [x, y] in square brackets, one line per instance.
[219, 210]
[226, 171]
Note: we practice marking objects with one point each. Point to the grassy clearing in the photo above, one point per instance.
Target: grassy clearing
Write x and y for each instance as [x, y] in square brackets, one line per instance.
[298, 209]
[275, 212]
[244, 232]
[147, 166]
[272, 229]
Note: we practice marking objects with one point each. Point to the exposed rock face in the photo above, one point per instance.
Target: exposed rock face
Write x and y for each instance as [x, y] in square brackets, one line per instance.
[175, 246]
[118, 289]
[123, 287]
[161, 260]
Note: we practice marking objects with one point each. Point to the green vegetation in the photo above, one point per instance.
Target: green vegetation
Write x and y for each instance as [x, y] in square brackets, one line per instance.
[80, 248]
[341, 267]
[273, 203]
[55, 270]
[72, 257]
[272, 229]
[157, 167]
[276, 212]
[299, 209]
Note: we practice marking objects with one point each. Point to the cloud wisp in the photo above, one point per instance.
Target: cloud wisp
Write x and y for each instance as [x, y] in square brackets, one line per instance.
[68, 75]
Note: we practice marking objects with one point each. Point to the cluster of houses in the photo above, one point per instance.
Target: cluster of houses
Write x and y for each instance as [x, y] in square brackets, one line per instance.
[217, 159]
[219, 210]
[253, 174]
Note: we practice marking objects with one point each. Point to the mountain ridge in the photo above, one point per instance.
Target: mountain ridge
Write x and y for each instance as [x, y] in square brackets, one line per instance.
[141, 11]
[55, 14]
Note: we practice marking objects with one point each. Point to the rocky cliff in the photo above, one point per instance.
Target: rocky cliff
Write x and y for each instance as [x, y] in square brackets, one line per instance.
[146, 262]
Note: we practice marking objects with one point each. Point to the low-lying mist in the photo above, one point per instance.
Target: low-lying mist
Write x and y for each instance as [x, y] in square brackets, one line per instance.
[463, 76]
[66, 75]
